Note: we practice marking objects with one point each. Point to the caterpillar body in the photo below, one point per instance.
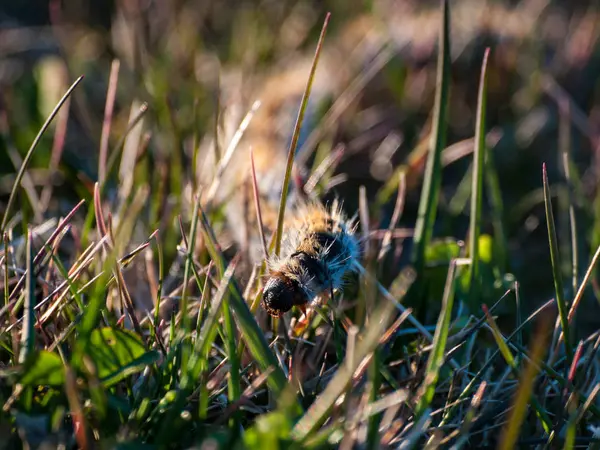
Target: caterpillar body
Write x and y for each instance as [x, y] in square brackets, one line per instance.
[319, 248]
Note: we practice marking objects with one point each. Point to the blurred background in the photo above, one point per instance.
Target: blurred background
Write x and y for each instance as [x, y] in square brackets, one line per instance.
[200, 65]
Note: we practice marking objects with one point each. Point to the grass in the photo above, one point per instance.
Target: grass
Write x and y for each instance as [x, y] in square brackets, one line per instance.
[135, 322]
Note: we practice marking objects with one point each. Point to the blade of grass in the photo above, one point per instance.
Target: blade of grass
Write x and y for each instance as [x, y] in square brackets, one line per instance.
[234, 387]
[433, 176]
[525, 390]
[510, 360]
[49, 243]
[58, 144]
[257, 206]
[556, 268]
[27, 333]
[229, 152]
[252, 334]
[161, 277]
[583, 285]
[477, 185]
[209, 328]
[107, 121]
[28, 156]
[319, 411]
[437, 355]
[469, 419]
[398, 209]
[189, 261]
[564, 142]
[472, 383]
[295, 138]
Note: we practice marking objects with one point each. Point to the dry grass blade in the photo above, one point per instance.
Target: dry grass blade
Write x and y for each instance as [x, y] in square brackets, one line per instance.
[224, 162]
[261, 229]
[329, 163]
[398, 209]
[417, 430]
[469, 417]
[106, 123]
[131, 126]
[525, 391]
[21, 173]
[363, 211]
[58, 144]
[27, 334]
[583, 285]
[49, 243]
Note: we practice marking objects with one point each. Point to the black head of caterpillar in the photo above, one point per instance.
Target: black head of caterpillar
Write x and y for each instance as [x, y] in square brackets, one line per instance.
[319, 249]
[281, 293]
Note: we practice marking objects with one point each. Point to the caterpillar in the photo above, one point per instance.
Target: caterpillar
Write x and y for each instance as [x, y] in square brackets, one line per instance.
[319, 249]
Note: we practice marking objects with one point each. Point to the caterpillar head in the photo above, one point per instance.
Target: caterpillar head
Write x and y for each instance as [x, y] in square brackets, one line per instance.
[281, 293]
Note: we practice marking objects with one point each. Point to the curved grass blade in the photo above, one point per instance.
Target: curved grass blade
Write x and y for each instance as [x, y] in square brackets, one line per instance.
[433, 176]
[295, 137]
[21, 173]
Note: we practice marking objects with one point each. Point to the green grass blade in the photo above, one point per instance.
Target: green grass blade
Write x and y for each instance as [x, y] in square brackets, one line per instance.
[433, 176]
[21, 173]
[209, 328]
[161, 277]
[295, 137]
[437, 355]
[556, 267]
[189, 261]
[564, 143]
[251, 332]
[477, 185]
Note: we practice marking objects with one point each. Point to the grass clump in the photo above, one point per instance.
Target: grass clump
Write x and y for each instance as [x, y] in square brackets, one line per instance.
[133, 321]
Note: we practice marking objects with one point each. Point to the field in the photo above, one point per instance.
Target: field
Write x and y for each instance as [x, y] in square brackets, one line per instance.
[152, 153]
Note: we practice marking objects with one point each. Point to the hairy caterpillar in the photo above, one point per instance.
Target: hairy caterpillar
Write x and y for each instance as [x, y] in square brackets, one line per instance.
[319, 249]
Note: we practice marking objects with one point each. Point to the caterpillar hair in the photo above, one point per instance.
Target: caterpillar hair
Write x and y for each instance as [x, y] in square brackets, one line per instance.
[319, 248]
